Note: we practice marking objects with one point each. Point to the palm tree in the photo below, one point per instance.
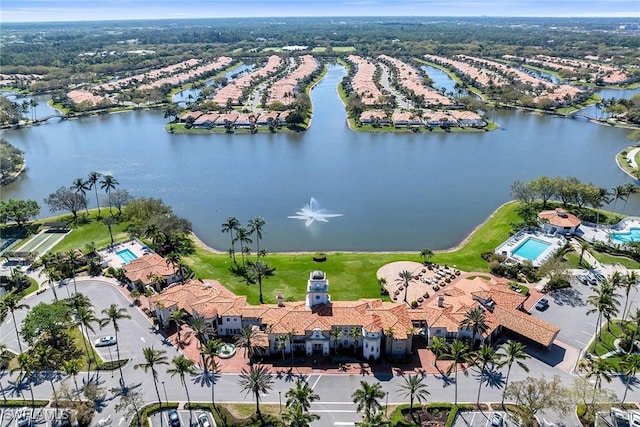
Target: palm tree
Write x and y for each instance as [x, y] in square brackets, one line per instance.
[179, 318]
[5, 358]
[367, 397]
[630, 365]
[295, 416]
[405, 277]
[72, 369]
[94, 177]
[513, 352]
[209, 352]
[635, 318]
[113, 315]
[255, 226]
[9, 304]
[230, 226]
[110, 221]
[414, 388]
[475, 320]
[153, 358]
[27, 368]
[107, 184]
[355, 333]
[628, 282]
[258, 271]
[426, 255]
[242, 236]
[246, 339]
[618, 193]
[459, 353]
[256, 380]
[281, 342]
[80, 186]
[629, 189]
[200, 328]
[301, 395]
[437, 347]
[85, 317]
[483, 358]
[182, 366]
[72, 258]
[604, 303]
[599, 369]
[584, 247]
[335, 334]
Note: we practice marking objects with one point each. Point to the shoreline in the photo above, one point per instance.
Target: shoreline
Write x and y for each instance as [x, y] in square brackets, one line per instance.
[630, 149]
[201, 244]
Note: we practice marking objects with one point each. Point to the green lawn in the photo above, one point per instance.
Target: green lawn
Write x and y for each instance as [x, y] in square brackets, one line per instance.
[608, 335]
[613, 259]
[93, 231]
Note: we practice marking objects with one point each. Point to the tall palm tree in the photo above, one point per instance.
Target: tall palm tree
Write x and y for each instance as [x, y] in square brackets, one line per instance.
[355, 333]
[256, 380]
[110, 221]
[599, 369]
[584, 247]
[181, 366]
[405, 277]
[629, 189]
[246, 339]
[414, 388]
[108, 183]
[630, 366]
[618, 193]
[179, 318]
[301, 395]
[259, 270]
[628, 282]
[153, 358]
[255, 226]
[635, 318]
[604, 303]
[5, 358]
[476, 321]
[27, 371]
[209, 352]
[296, 416]
[368, 397]
[335, 335]
[485, 357]
[80, 186]
[72, 258]
[10, 304]
[513, 352]
[242, 236]
[281, 342]
[230, 226]
[459, 353]
[72, 369]
[437, 347]
[112, 315]
[85, 318]
[94, 177]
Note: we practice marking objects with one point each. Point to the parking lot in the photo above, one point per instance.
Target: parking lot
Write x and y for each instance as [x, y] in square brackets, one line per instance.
[480, 419]
[185, 419]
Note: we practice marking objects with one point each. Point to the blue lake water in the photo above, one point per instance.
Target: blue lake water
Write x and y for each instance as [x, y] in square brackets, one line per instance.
[395, 191]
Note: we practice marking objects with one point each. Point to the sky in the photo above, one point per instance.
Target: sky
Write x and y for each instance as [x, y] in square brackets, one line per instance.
[97, 10]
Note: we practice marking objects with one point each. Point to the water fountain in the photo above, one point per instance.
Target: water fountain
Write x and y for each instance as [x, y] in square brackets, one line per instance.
[310, 213]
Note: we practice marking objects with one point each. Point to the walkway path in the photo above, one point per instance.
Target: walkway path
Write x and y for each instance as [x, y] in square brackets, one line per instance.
[631, 157]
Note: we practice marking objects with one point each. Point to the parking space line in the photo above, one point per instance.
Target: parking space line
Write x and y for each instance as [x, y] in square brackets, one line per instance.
[316, 383]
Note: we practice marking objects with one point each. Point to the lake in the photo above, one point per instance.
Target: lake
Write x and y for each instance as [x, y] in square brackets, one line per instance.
[394, 191]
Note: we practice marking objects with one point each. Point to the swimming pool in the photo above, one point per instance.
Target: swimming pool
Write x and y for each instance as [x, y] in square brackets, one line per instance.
[632, 236]
[126, 256]
[531, 248]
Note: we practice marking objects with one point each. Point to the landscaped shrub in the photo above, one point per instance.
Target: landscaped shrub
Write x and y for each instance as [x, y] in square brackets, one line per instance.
[320, 257]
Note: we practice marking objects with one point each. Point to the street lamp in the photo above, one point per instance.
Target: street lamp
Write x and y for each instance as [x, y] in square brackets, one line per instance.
[165, 393]
[280, 398]
[386, 407]
[111, 360]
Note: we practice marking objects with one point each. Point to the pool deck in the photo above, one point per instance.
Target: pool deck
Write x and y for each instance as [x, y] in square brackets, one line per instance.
[508, 247]
[601, 233]
[110, 256]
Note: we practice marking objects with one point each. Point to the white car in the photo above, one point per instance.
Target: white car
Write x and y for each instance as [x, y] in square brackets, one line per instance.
[105, 341]
[203, 420]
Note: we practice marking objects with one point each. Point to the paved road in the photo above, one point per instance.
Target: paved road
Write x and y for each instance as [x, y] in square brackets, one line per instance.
[335, 405]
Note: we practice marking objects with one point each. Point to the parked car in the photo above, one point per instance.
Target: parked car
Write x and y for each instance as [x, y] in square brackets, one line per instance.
[23, 420]
[203, 420]
[496, 420]
[542, 305]
[105, 341]
[584, 279]
[174, 419]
